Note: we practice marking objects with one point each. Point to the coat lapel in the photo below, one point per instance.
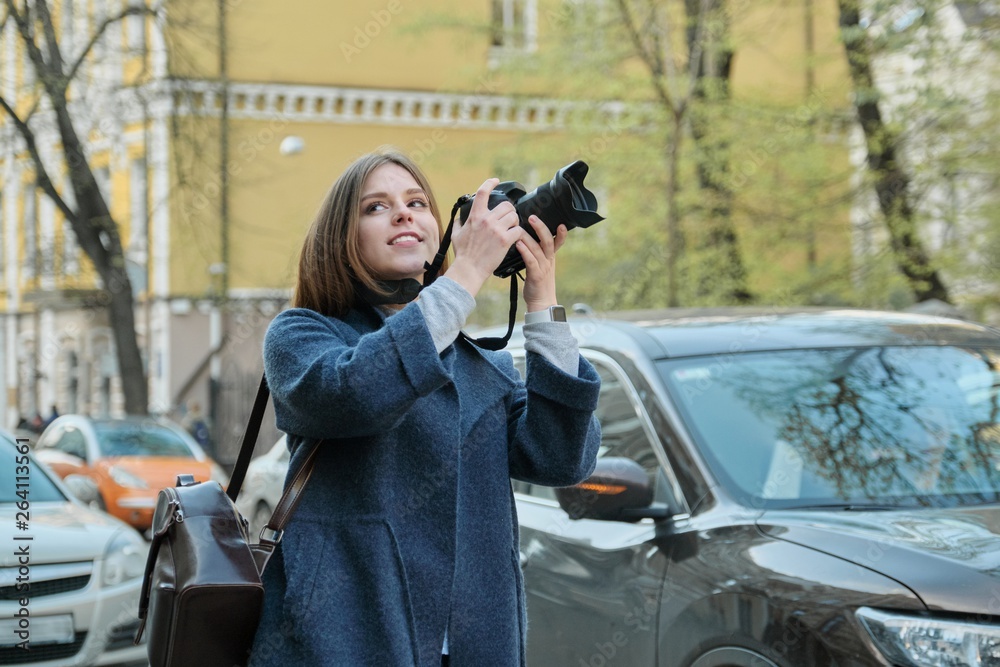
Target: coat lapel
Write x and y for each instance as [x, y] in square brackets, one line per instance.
[481, 385]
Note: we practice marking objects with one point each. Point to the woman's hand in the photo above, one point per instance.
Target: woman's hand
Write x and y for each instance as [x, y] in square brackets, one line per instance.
[482, 241]
[540, 264]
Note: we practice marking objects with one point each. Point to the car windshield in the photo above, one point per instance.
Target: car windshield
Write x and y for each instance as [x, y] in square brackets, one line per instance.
[139, 439]
[884, 426]
[23, 482]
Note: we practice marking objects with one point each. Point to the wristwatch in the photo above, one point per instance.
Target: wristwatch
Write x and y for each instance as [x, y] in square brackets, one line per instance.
[551, 314]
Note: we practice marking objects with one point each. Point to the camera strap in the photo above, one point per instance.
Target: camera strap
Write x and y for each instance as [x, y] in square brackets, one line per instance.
[433, 268]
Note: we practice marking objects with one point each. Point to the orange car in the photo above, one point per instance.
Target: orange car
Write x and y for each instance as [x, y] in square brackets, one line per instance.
[128, 460]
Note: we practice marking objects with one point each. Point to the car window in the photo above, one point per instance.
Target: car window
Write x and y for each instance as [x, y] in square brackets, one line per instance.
[622, 434]
[139, 439]
[897, 425]
[621, 425]
[21, 481]
[72, 442]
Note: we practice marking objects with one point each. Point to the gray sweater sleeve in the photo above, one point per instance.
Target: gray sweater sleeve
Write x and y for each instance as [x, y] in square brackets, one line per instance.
[555, 342]
[445, 305]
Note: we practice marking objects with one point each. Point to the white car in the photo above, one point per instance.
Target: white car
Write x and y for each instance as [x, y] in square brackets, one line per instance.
[69, 575]
[263, 485]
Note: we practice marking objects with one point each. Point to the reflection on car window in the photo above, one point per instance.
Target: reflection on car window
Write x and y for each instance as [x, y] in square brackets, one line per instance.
[140, 439]
[916, 425]
[40, 487]
[621, 427]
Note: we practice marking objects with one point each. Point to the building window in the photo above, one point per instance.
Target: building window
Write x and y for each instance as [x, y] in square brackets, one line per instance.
[137, 192]
[27, 69]
[138, 207]
[3, 237]
[514, 25]
[8, 73]
[30, 231]
[103, 177]
[100, 15]
[70, 249]
[70, 259]
[47, 240]
[66, 18]
[135, 30]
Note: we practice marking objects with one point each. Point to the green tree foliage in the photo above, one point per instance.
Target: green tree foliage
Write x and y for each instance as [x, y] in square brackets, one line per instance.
[769, 174]
[712, 196]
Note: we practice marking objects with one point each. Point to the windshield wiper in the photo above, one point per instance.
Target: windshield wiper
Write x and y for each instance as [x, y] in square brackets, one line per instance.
[848, 507]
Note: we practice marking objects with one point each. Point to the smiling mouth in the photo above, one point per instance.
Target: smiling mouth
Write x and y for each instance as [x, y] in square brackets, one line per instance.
[404, 238]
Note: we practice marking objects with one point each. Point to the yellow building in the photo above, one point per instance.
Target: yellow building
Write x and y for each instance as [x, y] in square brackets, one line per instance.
[214, 142]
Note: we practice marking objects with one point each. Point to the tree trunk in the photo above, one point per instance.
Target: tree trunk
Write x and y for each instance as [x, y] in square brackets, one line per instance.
[891, 180]
[721, 241]
[98, 236]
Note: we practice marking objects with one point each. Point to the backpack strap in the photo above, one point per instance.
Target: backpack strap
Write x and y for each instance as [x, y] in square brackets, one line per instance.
[249, 440]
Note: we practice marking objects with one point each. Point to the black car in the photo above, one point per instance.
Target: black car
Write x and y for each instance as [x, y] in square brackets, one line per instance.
[776, 489]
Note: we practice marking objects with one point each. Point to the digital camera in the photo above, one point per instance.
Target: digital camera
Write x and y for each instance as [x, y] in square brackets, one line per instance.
[562, 201]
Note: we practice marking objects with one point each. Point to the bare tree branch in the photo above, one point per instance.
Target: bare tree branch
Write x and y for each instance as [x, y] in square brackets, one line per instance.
[648, 56]
[51, 42]
[658, 57]
[23, 23]
[41, 174]
[96, 37]
[656, 49]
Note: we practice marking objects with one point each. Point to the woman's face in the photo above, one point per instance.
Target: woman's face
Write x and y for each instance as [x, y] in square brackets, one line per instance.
[397, 231]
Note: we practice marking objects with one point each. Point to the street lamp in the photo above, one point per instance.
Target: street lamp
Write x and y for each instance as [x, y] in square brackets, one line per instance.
[292, 145]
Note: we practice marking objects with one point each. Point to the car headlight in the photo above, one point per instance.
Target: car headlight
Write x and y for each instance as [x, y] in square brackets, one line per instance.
[918, 642]
[124, 559]
[124, 478]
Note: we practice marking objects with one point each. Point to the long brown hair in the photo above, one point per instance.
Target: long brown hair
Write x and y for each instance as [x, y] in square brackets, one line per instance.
[331, 254]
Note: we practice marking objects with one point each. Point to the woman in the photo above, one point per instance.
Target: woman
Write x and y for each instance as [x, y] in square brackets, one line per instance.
[404, 550]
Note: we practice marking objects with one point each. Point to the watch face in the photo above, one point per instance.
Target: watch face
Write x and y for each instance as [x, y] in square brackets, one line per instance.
[558, 313]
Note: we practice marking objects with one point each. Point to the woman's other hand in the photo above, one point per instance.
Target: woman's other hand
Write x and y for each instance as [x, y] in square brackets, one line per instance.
[540, 264]
[482, 241]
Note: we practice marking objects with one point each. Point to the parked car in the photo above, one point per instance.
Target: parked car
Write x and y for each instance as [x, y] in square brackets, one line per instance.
[773, 489]
[129, 460]
[776, 489]
[69, 574]
[263, 485]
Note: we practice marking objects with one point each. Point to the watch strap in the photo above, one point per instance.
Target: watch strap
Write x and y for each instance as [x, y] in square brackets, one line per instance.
[550, 314]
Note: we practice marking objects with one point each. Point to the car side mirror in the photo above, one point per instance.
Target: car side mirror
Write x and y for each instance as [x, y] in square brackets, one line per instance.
[84, 488]
[618, 490]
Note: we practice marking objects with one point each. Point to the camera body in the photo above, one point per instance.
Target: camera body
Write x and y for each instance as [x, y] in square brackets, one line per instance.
[562, 201]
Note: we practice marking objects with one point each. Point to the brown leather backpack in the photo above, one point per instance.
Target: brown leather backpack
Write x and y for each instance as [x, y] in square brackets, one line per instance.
[202, 592]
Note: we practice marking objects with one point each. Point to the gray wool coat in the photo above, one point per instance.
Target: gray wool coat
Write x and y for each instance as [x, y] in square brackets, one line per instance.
[408, 527]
